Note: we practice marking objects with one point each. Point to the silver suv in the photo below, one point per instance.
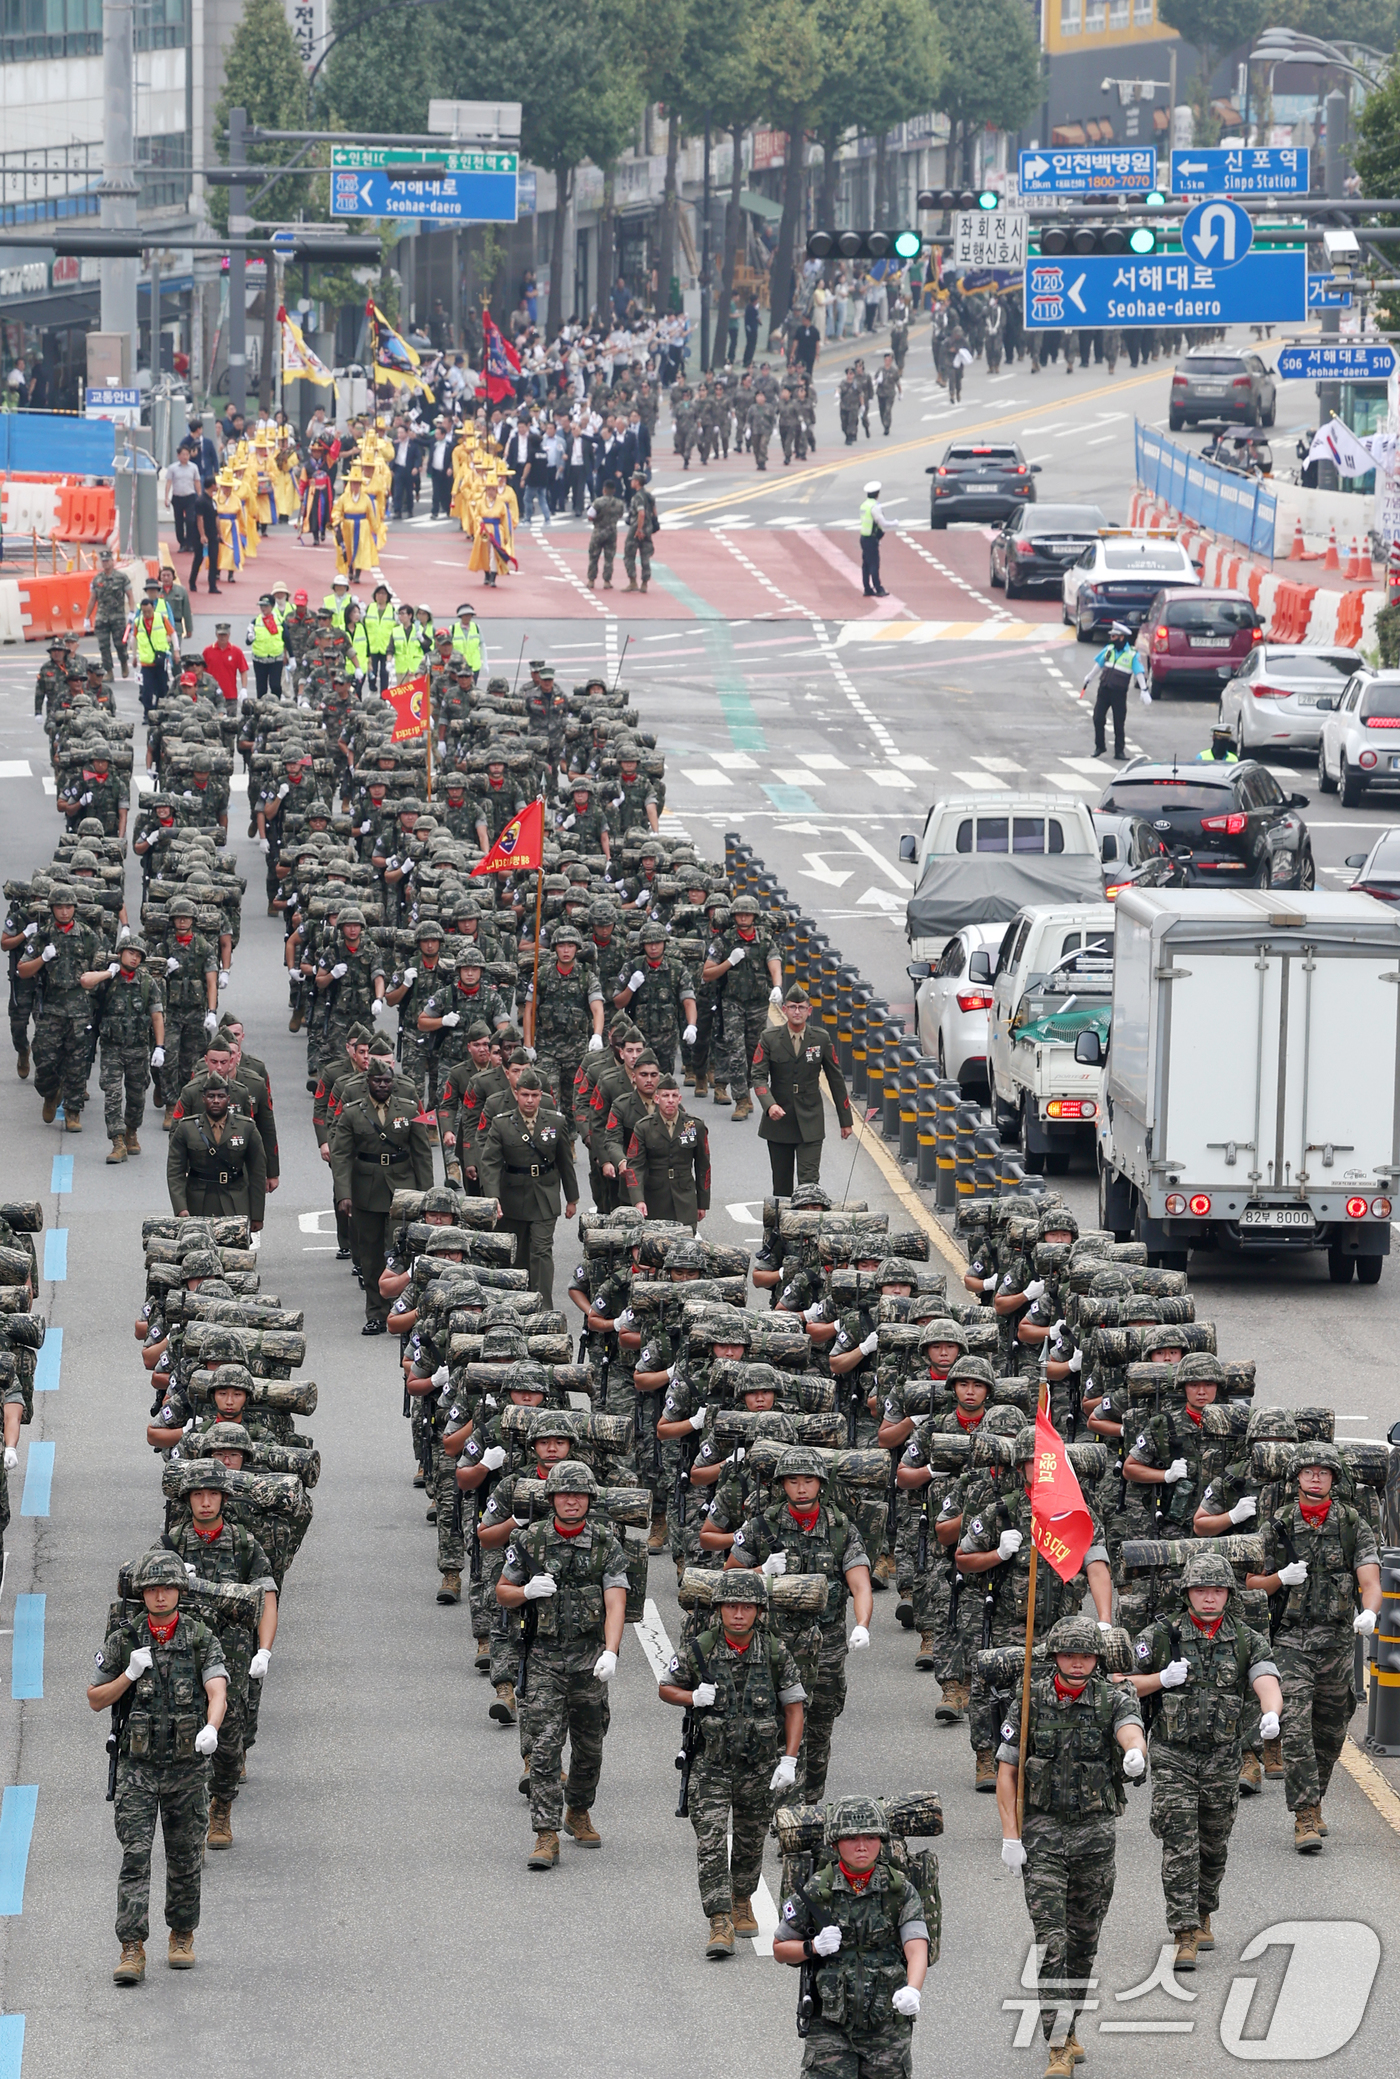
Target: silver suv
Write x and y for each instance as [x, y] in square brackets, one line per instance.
[1211, 384]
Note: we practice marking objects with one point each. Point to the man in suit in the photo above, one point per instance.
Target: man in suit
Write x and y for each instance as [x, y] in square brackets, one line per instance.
[788, 1065]
[519, 449]
[636, 448]
[408, 460]
[580, 446]
[203, 452]
[204, 536]
[440, 469]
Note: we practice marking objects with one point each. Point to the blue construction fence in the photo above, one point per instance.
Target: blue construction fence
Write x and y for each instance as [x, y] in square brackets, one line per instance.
[1236, 507]
[57, 442]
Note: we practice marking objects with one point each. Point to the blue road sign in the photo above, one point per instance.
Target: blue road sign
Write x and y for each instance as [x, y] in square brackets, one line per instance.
[1090, 170]
[479, 186]
[1324, 294]
[1268, 288]
[1216, 234]
[1240, 170]
[1371, 362]
[284, 244]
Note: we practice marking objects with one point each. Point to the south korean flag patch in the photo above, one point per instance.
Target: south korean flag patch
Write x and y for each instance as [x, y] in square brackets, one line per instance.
[1008, 1732]
[790, 1910]
[1144, 1649]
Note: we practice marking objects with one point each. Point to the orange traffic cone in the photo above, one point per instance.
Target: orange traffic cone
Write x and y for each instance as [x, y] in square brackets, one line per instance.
[1365, 572]
[1299, 551]
[1332, 561]
[1353, 568]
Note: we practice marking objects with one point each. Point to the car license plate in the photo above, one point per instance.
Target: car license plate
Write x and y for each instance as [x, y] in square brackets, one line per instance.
[1210, 389]
[1276, 1216]
[1395, 764]
[1209, 642]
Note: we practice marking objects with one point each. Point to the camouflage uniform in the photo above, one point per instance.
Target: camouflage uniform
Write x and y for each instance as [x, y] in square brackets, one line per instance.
[857, 2034]
[159, 1774]
[23, 995]
[1314, 1644]
[125, 1035]
[761, 422]
[63, 1031]
[112, 606]
[234, 1555]
[657, 1007]
[602, 542]
[187, 1004]
[563, 1020]
[741, 1000]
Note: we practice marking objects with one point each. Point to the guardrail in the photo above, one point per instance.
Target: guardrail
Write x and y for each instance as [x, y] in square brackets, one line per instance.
[1227, 503]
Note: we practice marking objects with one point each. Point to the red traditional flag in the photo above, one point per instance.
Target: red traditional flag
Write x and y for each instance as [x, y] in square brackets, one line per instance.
[520, 846]
[502, 362]
[409, 700]
[1061, 1525]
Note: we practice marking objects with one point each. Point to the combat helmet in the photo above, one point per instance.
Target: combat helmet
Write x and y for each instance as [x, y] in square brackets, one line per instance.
[1207, 1570]
[744, 1585]
[1075, 1633]
[849, 1816]
[571, 1476]
[800, 1462]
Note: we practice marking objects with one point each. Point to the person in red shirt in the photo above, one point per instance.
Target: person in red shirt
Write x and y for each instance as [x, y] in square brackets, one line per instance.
[224, 661]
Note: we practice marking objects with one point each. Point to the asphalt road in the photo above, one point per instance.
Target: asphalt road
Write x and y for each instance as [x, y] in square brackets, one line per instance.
[375, 1915]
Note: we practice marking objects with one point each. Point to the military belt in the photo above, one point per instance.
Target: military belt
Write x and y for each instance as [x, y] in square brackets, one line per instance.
[225, 1176]
[387, 1160]
[532, 1169]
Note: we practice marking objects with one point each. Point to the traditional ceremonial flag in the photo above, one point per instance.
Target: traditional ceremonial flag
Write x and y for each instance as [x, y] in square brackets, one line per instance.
[520, 846]
[299, 364]
[394, 359]
[1061, 1526]
[409, 700]
[502, 361]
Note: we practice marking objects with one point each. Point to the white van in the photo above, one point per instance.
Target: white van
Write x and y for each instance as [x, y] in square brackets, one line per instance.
[984, 857]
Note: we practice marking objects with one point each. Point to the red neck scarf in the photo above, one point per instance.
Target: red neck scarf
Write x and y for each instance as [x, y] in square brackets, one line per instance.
[207, 1537]
[966, 1421]
[803, 1519]
[857, 1879]
[164, 1630]
[1066, 1691]
[570, 1530]
[1194, 1415]
[738, 1645]
[1208, 1625]
[1314, 1514]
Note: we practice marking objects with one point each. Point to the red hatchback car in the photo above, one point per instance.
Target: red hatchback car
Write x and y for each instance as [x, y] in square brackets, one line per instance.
[1195, 641]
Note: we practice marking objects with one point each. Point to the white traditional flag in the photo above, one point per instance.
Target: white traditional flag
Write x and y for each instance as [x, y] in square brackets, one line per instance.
[299, 363]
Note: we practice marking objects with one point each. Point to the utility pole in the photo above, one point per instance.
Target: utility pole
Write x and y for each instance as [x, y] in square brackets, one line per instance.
[1329, 395]
[238, 225]
[119, 190]
[705, 256]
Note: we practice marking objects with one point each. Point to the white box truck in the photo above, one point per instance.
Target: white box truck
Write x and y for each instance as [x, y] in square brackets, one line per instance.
[1252, 1082]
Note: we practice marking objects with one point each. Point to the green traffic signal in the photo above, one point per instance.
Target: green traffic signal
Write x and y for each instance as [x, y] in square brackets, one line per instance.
[988, 200]
[908, 245]
[1142, 239]
[1155, 200]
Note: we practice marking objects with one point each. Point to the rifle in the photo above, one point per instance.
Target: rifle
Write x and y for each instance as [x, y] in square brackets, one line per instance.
[425, 1450]
[1279, 1603]
[121, 1711]
[892, 1510]
[474, 1568]
[853, 1411]
[807, 1976]
[690, 1736]
[924, 1527]
[529, 1625]
[683, 1465]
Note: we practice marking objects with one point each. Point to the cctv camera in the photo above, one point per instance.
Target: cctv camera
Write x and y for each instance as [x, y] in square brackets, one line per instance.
[1105, 86]
[1343, 252]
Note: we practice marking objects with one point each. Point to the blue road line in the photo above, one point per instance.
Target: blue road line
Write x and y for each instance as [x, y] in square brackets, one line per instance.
[11, 2045]
[792, 801]
[16, 1830]
[47, 1365]
[38, 1478]
[56, 1254]
[59, 1182]
[27, 1660]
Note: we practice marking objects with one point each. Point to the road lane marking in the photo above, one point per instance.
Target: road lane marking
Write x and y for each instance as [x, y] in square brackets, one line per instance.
[56, 1254]
[49, 1361]
[16, 1831]
[38, 1480]
[27, 1654]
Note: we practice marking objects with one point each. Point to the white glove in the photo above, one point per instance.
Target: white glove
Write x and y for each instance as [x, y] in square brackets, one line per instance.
[1013, 1854]
[827, 1941]
[1294, 1574]
[737, 957]
[1177, 1470]
[410, 974]
[171, 964]
[605, 1666]
[907, 2001]
[785, 1774]
[452, 1019]
[871, 1343]
[1174, 1674]
[703, 1695]
[595, 1044]
[493, 1458]
[263, 845]
[775, 1563]
[206, 1740]
[224, 979]
[859, 1637]
[1035, 1288]
[49, 953]
[1009, 1544]
[259, 1664]
[688, 1036]
[813, 1313]
[1364, 1622]
[636, 980]
[340, 970]
[157, 1057]
[283, 791]
[1134, 1763]
[440, 1376]
[775, 995]
[1244, 1508]
[113, 968]
[1268, 1725]
[697, 1420]
[377, 1008]
[11, 1458]
[540, 1586]
[31, 931]
[989, 1284]
[139, 1662]
[365, 827]
[626, 1318]
[211, 1023]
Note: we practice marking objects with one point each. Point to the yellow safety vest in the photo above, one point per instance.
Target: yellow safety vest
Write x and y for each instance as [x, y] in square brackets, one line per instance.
[152, 642]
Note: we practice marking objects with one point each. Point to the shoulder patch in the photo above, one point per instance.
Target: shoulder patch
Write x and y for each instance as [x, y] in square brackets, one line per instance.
[977, 1526]
[1140, 1442]
[790, 1910]
[1144, 1649]
[1008, 1731]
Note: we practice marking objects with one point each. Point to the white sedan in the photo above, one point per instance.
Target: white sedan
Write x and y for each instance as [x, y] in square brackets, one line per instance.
[953, 995]
[1271, 704]
[1118, 577]
[1360, 743]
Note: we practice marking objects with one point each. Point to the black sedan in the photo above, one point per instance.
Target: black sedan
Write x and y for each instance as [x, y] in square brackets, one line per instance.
[980, 480]
[1224, 824]
[1037, 548]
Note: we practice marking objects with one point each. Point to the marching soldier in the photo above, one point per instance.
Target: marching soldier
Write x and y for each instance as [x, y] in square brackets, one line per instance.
[191, 987]
[63, 1035]
[112, 606]
[741, 977]
[606, 514]
[566, 1020]
[657, 994]
[131, 1029]
[887, 388]
[668, 1162]
[377, 1147]
[215, 1167]
[787, 1071]
[643, 520]
[527, 1162]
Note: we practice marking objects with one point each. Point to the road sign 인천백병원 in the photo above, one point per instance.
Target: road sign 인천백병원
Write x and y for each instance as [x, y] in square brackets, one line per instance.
[1324, 293]
[1089, 170]
[1096, 289]
[1369, 361]
[989, 238]
[1216, 234]
[1240, 170]
[371, 181]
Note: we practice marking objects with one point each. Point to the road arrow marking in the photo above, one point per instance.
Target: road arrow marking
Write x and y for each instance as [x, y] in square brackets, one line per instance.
[880, 899]
[820, 871]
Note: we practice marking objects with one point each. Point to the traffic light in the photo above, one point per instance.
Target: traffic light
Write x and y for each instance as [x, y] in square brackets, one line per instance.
[908, 245]
[948, 199]
[862, 245]
[1139, 239]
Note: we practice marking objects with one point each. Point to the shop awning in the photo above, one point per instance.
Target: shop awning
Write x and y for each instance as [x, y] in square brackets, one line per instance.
[760, 206]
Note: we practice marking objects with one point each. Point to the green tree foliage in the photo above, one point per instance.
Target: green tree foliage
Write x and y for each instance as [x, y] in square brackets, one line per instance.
[992, 70]
[383, 73]
[1213, 27]
[263, 73]
[1376, 157]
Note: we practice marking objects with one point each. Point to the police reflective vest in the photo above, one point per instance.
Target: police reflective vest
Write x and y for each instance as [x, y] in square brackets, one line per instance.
[408, 654]
[466, 642]
[868, 523]
[336, 603]
[381, 625]
[1214, 757]
[152, 643]
[267, 637]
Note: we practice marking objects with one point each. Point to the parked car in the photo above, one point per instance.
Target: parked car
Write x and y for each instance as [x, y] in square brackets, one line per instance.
[1360, 743]
[1132, 854]
[1036, 548]
[1194, 640]
[952, 996]
[1272, 702]
[1054, 975]
[983, 857]
[1224, 823]
[1211, 384]
[1378, 871]
[1118, 577]
[980, 480]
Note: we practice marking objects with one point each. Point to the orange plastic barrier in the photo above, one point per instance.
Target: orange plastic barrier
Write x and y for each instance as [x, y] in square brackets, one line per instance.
[85, 513]
[54, 605]
[1349, 620]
